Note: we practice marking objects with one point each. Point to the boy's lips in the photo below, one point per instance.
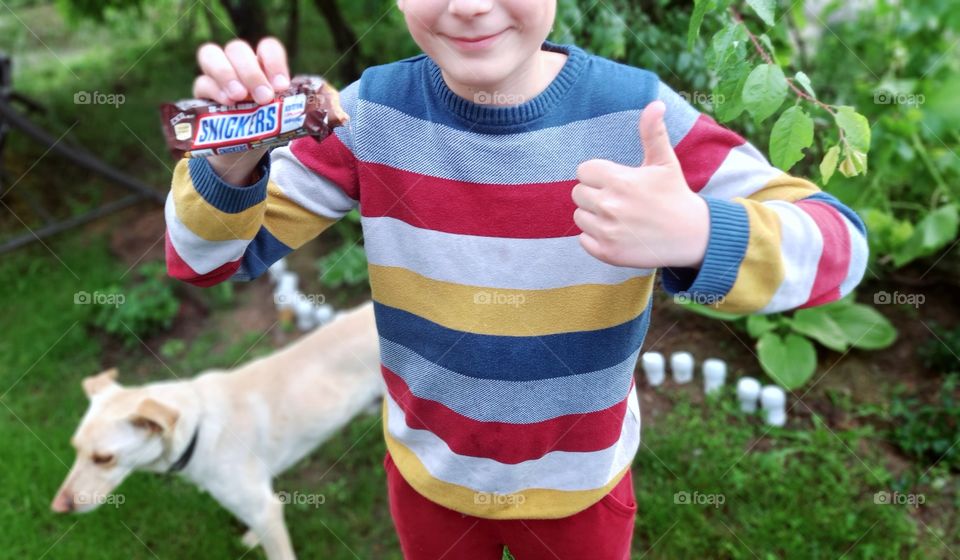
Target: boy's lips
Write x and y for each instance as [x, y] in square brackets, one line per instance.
[477, 42]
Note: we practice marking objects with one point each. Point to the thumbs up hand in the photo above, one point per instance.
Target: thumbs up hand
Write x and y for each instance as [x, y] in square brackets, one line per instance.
[644, 217]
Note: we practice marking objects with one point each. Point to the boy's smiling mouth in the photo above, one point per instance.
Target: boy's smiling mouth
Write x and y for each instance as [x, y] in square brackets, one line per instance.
[477, 42]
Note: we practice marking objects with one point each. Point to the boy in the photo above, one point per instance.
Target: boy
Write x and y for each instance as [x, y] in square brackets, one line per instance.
[514, 218]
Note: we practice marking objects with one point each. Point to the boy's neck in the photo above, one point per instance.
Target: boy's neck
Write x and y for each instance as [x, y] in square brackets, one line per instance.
[523, 85]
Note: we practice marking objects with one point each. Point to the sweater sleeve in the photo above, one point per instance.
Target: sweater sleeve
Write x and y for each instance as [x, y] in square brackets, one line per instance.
[777, 242]
[216, 231]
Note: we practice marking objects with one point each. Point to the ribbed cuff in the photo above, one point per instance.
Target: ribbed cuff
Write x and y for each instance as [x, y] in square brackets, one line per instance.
[225, 197]
[729, 234]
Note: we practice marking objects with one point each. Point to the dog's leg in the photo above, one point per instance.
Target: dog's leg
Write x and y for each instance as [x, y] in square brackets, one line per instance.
[260, 509]
[271, 529]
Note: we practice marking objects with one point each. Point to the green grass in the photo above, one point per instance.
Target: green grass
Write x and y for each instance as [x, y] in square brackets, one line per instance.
[805, 493]
[48, 347]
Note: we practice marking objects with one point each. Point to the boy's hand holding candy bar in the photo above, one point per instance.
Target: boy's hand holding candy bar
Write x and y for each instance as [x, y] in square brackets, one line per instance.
[244, 103]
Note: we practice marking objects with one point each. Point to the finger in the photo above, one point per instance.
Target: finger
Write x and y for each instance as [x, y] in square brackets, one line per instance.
[587, 222]
[273, 60]
[205, 87]
[247, 67]
[600, 174]
[214, 63]
[657, 149]
[592, 246]
[585, 197]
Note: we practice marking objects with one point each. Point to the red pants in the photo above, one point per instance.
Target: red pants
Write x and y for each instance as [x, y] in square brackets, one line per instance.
[429, 531]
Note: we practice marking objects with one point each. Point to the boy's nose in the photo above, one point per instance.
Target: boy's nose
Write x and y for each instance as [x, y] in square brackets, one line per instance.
[467, 8]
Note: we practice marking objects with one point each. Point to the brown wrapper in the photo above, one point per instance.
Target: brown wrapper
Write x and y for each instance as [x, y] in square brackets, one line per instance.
[203, 128]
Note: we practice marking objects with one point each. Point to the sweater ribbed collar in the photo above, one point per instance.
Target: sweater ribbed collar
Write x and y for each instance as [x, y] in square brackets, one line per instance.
[512, 114]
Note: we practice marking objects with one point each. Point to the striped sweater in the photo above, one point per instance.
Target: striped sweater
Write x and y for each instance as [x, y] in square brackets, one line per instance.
[508, 351]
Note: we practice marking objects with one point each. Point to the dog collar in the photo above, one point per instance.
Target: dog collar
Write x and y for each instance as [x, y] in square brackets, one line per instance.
[187, 453]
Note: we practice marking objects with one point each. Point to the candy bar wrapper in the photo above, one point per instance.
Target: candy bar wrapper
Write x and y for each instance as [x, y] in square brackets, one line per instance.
[203, 128]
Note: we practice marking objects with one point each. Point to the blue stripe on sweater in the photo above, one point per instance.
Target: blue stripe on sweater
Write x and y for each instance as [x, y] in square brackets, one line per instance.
[513, 358]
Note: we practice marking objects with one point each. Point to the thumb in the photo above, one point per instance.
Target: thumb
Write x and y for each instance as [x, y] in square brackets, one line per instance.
[657, 149]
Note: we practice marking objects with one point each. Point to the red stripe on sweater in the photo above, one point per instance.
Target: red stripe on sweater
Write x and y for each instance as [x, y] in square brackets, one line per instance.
[835, 258]
[704, 149]
[179, 269]
[528, 211]
[502, 441]
[330, 158]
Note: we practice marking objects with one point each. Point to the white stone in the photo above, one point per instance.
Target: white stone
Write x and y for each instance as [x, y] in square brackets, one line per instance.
[714, 375]
[681, 365]
[653, 367]
[306, 319]
[748, 391]
[323, 313]
[774, 402]
[277, 269]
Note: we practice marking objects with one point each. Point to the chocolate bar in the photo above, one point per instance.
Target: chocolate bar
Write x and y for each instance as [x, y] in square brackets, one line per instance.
[203, 128]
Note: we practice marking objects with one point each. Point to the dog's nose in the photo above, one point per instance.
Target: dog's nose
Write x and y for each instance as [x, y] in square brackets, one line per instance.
[63, 503]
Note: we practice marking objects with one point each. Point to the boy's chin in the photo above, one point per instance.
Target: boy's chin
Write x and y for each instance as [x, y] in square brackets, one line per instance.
[478, 75]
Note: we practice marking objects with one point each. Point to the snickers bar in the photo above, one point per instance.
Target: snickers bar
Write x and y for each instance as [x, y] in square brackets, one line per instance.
[203, 128]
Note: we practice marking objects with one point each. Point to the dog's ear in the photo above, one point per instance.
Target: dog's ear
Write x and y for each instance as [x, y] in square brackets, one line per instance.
[155, 416]
[96, 383]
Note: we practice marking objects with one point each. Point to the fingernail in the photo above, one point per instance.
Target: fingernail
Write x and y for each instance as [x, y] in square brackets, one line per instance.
[236, 89]
[281, 82]
[263, 94]
[223, 97]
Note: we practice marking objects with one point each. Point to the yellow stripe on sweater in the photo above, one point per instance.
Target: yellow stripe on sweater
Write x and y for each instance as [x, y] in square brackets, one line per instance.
[785, 187]
[206, 220]
[761, 270]
[495, 311]
[292, 224]
[533, 503]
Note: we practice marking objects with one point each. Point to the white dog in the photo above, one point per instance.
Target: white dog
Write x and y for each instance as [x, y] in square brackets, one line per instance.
[229, 432]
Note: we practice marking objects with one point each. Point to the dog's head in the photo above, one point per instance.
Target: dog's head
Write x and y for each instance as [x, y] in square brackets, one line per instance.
[124, 429]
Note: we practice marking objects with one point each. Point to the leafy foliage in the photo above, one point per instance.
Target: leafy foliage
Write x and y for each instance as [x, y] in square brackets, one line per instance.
[928, 431]
[784, 342]
[148, 305]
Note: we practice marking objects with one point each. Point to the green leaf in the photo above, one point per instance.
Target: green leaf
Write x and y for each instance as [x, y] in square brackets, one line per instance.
[855, 127]
[864, 326]
[757, 325]
[819, 324]
[790, 360]
[804, 82]
[764, 91]
[829, 164]
[938, 228]
[933, 232]
[728, 95]
[708, 311]
[792, 134]
[764, 9]
[700, 9]
[728, 49]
